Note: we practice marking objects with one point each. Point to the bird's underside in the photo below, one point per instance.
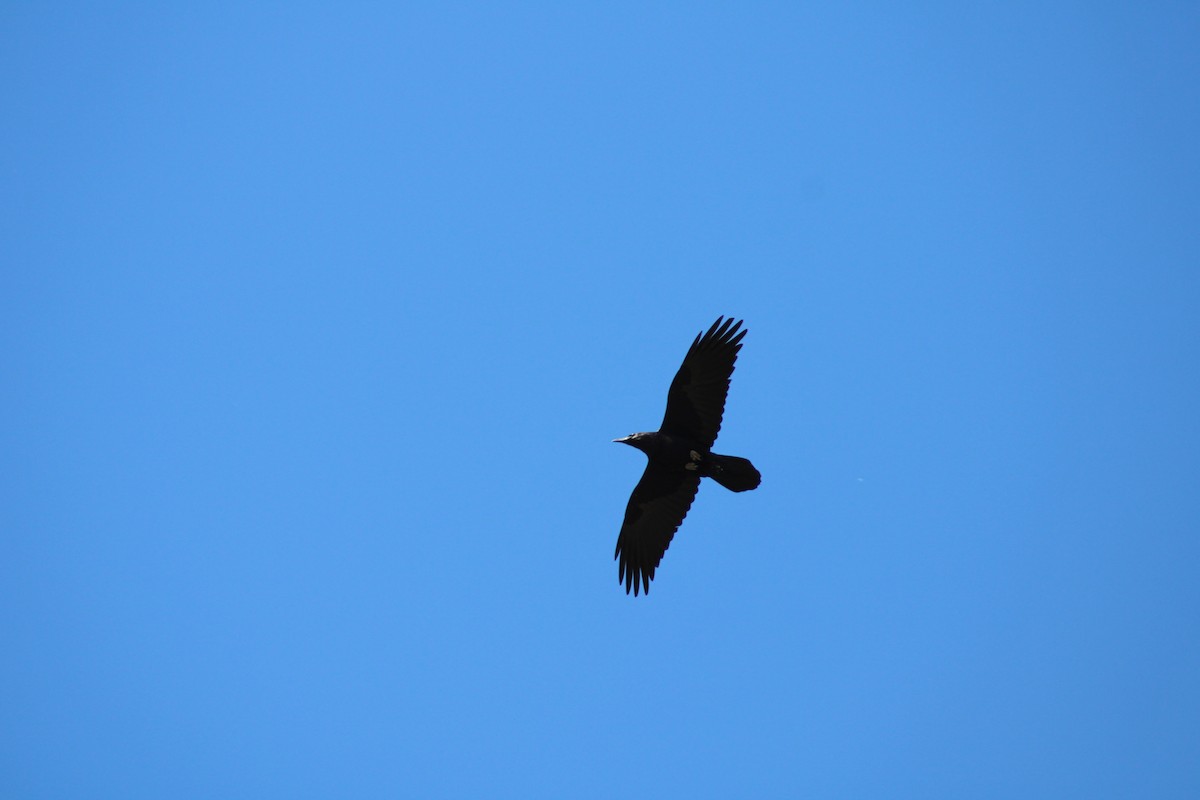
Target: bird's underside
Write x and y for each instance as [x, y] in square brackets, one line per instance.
[679, 455]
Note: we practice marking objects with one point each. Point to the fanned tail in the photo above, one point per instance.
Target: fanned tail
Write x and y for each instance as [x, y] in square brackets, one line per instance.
[735, 474]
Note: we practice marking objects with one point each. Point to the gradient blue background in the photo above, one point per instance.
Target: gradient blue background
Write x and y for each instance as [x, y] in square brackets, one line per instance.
[318, 321]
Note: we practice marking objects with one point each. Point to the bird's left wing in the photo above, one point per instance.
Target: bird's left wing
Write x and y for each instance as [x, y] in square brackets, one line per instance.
[658, 505]
[696, 399]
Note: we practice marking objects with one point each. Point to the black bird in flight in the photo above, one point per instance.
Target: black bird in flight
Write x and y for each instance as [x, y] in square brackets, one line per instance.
[680, 455]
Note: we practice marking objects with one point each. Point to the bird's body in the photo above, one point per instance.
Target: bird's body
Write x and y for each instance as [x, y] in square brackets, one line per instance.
[680, 454]
[669, 451]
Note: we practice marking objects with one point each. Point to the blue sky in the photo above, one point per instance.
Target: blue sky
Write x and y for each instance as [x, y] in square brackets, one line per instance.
[318, 321]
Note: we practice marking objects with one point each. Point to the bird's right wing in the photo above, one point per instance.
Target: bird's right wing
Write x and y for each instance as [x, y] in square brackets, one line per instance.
[658, 505]
[696, 399]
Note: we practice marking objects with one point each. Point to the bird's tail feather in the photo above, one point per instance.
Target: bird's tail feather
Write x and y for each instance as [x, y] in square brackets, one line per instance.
[735, 474]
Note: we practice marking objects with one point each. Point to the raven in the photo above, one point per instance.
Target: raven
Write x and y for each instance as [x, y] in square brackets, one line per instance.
[680, 455]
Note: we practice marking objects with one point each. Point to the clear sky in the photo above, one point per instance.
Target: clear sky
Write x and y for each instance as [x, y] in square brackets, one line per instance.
[318, 320]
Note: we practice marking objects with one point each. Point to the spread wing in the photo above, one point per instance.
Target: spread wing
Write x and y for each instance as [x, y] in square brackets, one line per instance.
[658, 505]
[696, 399]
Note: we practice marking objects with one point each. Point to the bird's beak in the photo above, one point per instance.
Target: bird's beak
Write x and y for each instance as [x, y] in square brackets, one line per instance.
[622, 440]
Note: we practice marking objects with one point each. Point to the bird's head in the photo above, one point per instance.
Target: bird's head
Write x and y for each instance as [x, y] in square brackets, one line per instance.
[638, 440]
